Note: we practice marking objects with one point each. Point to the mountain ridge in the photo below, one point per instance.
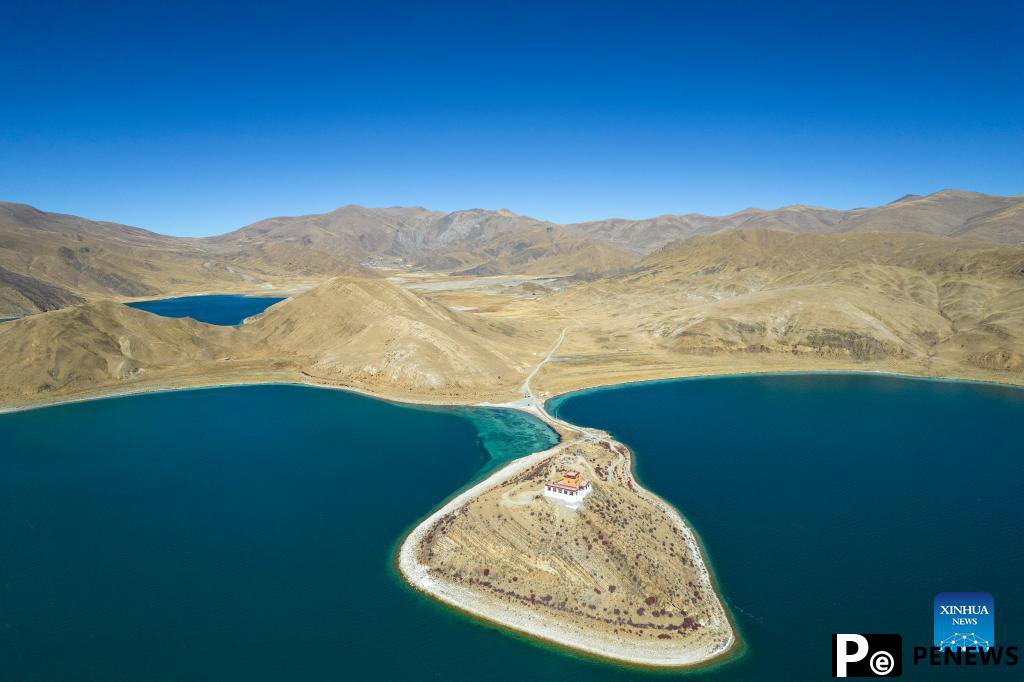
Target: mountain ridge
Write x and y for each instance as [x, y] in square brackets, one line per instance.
[737, 301]
[51, 259]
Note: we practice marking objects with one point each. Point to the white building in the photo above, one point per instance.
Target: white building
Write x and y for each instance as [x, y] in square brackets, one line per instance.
[571, 489]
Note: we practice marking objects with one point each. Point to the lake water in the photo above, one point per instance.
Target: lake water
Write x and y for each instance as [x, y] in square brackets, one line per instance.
[248, 533]
[220, 309]
[836, 503]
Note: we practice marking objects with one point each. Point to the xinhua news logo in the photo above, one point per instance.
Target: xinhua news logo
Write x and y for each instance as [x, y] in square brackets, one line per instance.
[964, 633]
[875, 655]
[964, 620]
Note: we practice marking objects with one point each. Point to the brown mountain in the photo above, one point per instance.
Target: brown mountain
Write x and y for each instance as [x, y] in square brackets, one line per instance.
[742, 300]
[103, 345]
[968, 215]
[376, 335]
[369, 334]
[474, 241]
[761, 299]
[350, 234]
[50, 260]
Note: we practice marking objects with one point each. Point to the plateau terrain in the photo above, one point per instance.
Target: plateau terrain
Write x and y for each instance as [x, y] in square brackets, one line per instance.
[459, 307]
[51, 260]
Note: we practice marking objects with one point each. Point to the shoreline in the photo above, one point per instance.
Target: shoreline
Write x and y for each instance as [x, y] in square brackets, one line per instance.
[450, 402]
[779, 372]
[546, 628]
[156, 389]
[775, 373]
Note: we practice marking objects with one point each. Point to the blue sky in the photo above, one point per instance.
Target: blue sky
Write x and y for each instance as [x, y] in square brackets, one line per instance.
[200, 118]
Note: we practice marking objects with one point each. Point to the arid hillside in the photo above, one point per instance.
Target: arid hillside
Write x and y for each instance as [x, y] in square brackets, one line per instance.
[735, 300]
[747, 300]
[49, 260]
[368, 334]
[22, 295]
[378, 336]
[772, 300]
[475, 241]
[966, 215]
[103, 347]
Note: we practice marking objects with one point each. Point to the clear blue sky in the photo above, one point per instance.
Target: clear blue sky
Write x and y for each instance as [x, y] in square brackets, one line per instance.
[200, 118]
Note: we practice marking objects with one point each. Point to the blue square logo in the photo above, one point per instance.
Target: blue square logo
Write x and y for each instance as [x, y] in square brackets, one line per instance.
[964, 620]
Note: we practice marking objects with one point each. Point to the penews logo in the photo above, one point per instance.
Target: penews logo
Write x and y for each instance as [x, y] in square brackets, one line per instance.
[867, 655]
[964, 620]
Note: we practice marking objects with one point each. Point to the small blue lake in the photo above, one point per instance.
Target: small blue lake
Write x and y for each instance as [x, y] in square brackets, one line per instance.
[220, 309]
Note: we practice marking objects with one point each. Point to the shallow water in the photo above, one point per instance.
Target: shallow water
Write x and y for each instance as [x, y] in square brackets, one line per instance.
[248, 533]
[219, 309]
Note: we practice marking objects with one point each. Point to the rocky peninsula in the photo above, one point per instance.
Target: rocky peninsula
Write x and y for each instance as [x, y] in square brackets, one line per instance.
[620, 577]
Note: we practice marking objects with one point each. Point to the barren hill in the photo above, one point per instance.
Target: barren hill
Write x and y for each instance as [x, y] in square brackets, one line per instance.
[948, 213]
[349, 235]
[49, 260]
[369, 334]
[475, 240]
[376, 335]
[824, 293]
[775, 300]
[104, 345]
[969, 215]
[21, 294]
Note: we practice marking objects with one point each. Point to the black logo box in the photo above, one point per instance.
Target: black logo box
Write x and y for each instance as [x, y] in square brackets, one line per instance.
[887, 643]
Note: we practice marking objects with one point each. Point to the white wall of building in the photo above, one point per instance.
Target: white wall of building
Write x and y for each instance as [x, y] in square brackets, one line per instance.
[565, 497]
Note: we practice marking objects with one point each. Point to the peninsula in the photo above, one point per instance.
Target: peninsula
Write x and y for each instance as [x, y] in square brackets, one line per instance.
[619, 575]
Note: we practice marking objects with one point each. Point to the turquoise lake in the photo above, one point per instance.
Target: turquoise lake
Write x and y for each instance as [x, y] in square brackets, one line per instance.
[220, 309]
[248, 533]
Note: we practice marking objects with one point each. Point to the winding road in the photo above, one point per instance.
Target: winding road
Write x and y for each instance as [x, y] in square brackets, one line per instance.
[525, 388]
